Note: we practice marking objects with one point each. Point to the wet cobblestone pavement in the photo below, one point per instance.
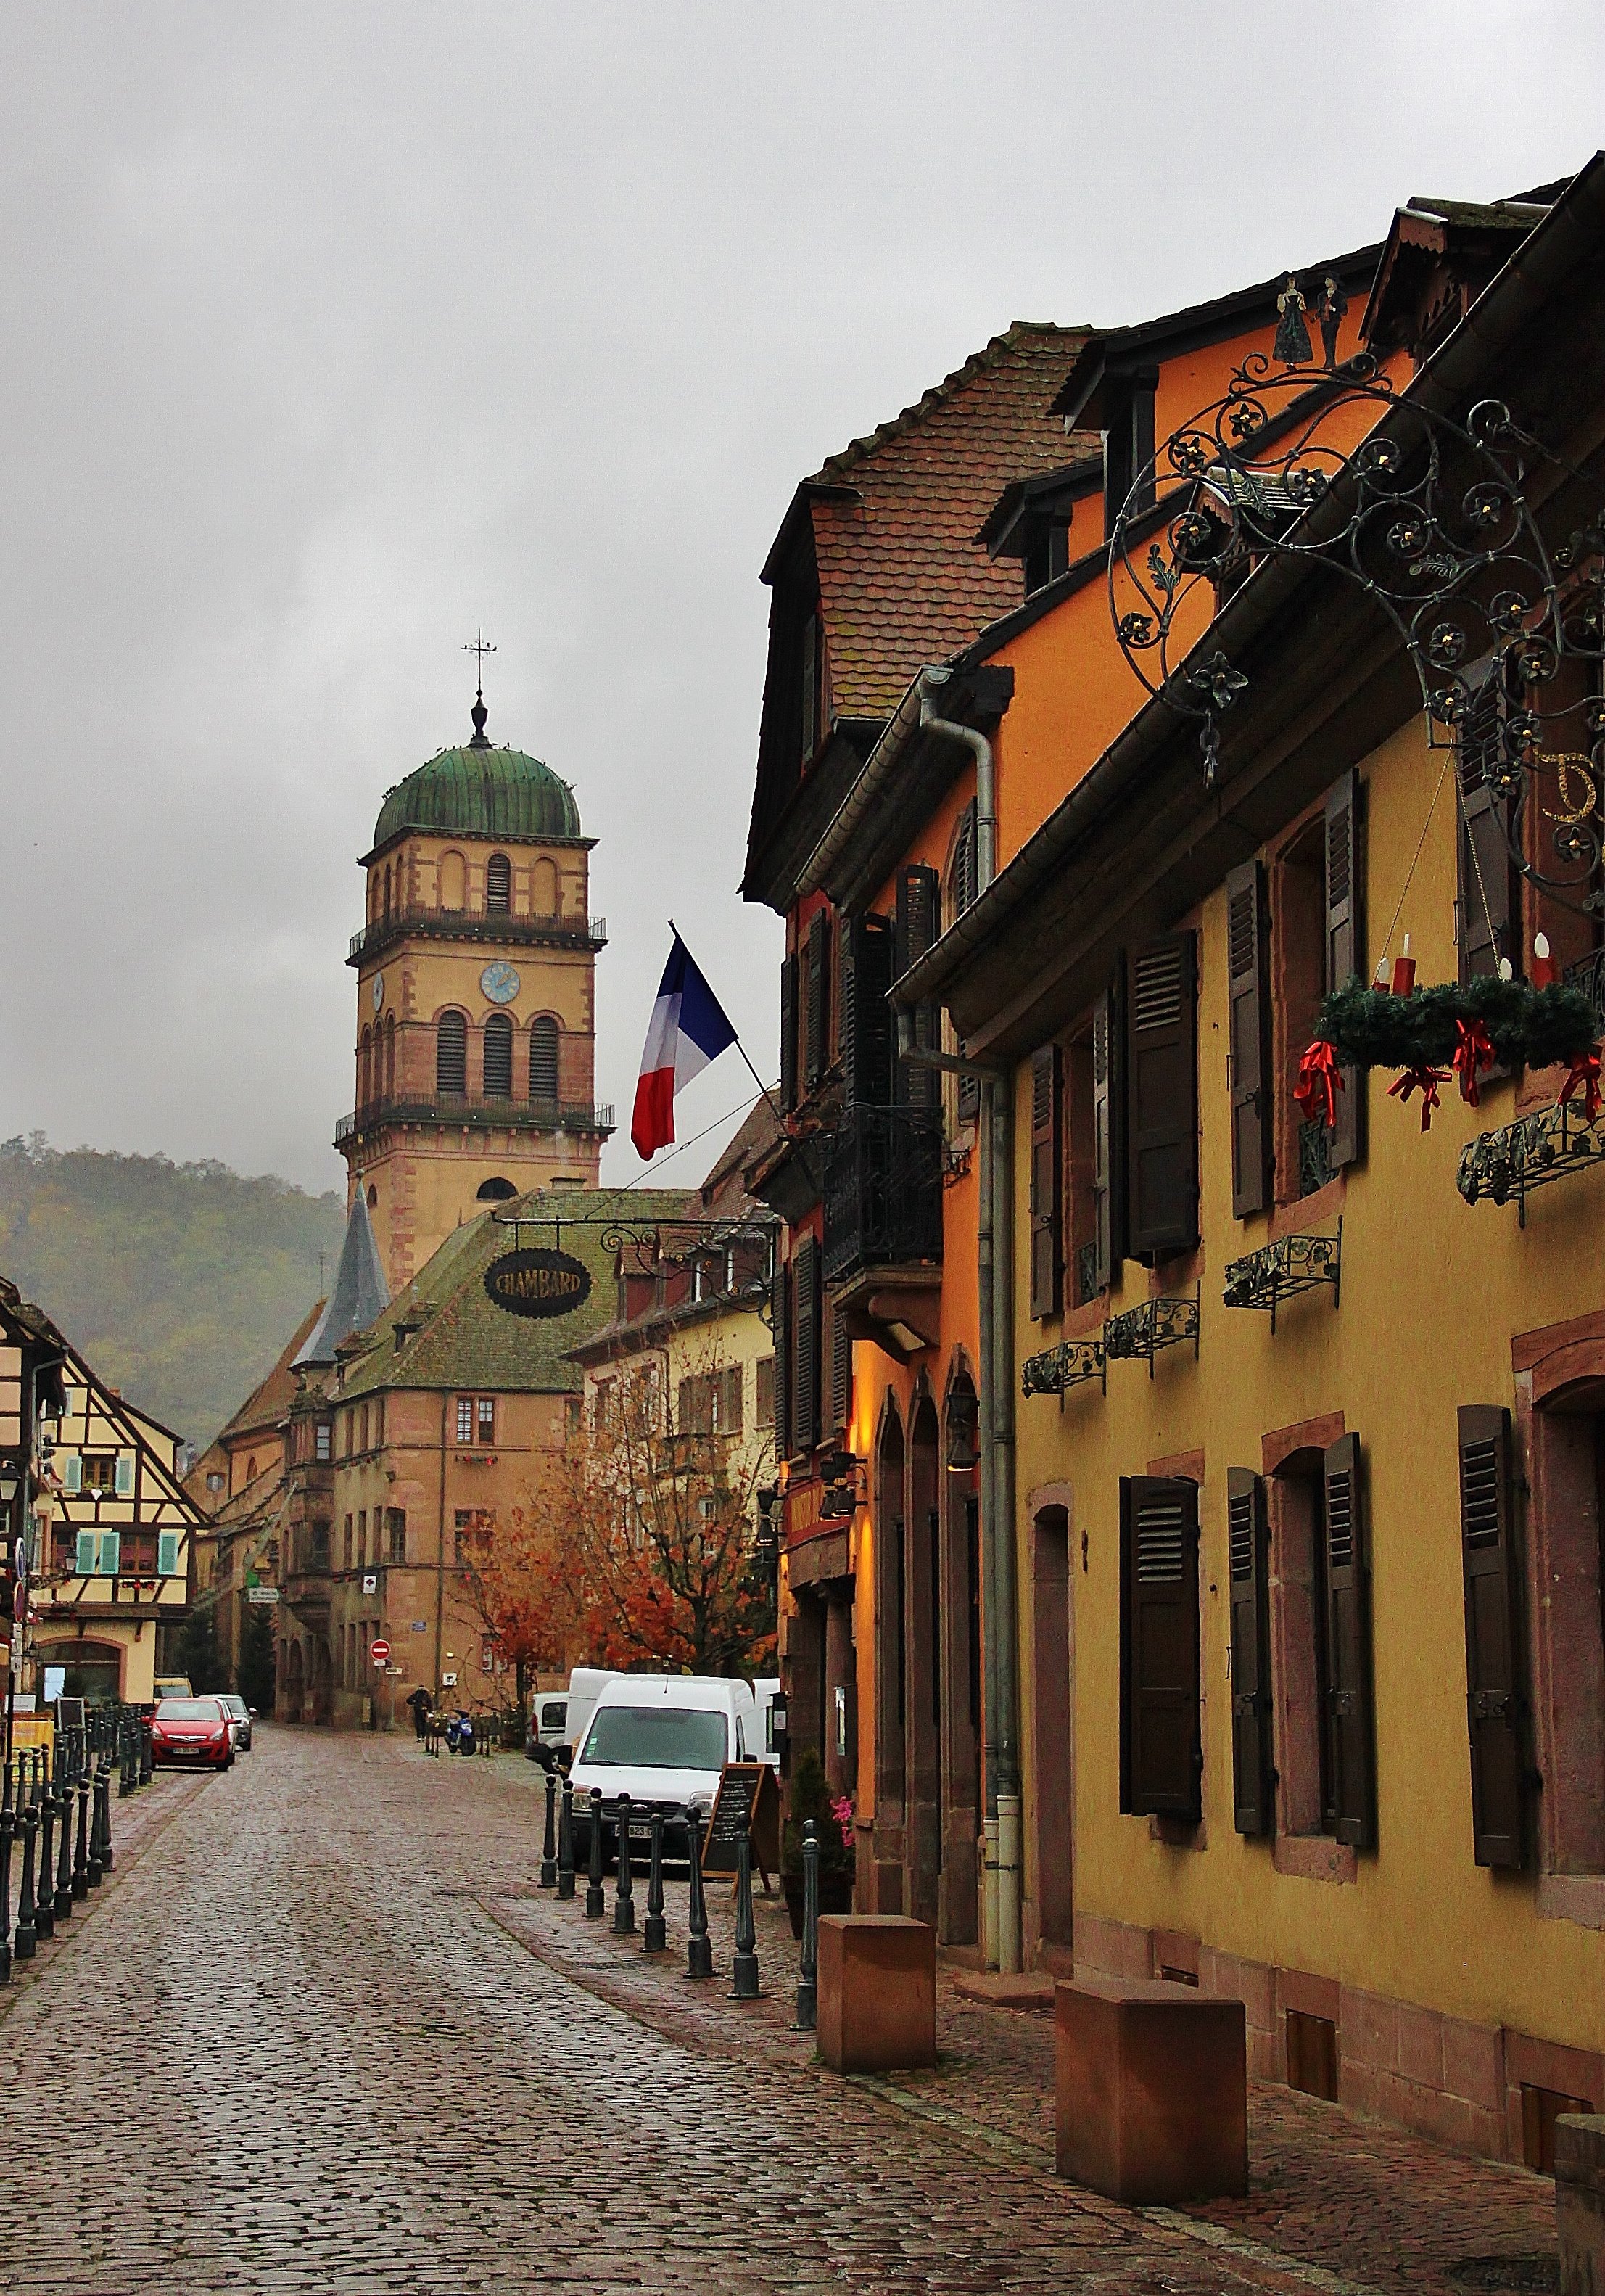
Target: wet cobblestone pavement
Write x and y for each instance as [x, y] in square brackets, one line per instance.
[320, 2035]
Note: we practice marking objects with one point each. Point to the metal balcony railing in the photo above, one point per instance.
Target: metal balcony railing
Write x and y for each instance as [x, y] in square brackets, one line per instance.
[477, 924]
[883, 1190]
[480, 1115]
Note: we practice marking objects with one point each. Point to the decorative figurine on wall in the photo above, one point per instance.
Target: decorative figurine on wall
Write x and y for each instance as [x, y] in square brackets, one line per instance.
[1292, 344]
[1330, 310]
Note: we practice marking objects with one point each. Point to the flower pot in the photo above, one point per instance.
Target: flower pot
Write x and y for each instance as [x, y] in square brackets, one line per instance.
[835, 1895]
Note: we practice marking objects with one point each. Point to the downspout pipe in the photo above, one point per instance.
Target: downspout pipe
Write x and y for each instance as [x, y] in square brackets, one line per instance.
[929, 682]
[916, 713]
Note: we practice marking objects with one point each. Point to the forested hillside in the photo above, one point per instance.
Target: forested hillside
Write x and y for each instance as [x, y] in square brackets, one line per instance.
[180, 1283]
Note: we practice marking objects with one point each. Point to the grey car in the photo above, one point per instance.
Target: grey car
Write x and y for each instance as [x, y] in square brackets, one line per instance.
[240, 1719]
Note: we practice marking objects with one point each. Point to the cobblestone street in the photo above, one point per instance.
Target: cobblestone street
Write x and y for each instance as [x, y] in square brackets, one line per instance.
[318, 2036]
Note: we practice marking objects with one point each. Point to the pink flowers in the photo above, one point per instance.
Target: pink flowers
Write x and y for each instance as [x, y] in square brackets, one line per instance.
[842, 1810]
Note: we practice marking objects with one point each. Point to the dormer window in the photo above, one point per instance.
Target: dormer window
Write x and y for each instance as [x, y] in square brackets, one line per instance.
[1128, 445]
[1048, 556]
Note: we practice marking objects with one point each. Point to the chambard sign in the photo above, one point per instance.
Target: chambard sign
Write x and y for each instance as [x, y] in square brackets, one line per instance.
[537, 1282]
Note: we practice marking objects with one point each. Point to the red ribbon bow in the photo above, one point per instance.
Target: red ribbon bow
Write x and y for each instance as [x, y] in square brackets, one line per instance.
[1584, 1077]
[1426, 1082]
[1319, 1082]
[1473, 1051]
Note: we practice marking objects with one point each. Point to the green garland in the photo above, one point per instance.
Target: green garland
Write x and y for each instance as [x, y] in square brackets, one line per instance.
[1527, 1027]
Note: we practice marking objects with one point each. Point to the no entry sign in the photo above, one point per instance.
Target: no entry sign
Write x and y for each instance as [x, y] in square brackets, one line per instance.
[379, 1652]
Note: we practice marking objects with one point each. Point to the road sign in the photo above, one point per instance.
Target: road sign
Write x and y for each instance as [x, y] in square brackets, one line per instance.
[260, 1594]
[379, 1652]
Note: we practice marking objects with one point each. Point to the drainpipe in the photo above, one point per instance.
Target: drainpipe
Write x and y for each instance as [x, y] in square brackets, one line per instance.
[986, 778]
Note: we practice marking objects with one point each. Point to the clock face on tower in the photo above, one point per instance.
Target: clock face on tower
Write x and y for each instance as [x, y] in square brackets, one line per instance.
[377, 990]
[500, 982]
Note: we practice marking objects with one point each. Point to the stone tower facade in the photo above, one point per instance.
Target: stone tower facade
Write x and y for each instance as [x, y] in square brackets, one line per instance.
[475, 999]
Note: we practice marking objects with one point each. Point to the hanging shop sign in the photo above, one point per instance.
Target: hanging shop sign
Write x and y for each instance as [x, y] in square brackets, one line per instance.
[538, 1281]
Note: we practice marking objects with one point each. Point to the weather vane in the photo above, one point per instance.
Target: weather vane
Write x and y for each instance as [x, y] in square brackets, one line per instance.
[479, 649]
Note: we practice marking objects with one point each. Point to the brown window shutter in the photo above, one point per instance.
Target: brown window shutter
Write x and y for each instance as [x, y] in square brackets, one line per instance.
[1161, 1085]
[1345, 947]
[779, 1324]
[866, 1017]
[841, 1372]
[1247, 1546]
[1487, 891]
[915, 928]
[1161, 1746]
[818, 991]
[1248, 989]
[730, 1399]
[1108, 1139]
[1350, 1737]
[965, 861]
[788, 1034]
[685, 1406]
[804, 1361]
[1046, 1182]
[1496, 1701]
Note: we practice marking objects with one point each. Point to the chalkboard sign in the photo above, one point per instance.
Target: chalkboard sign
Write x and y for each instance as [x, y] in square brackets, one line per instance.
[747, 1802]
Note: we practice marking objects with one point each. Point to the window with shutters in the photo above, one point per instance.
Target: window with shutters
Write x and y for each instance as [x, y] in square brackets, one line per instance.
[764, 1385]
[1248, 1050]
[1161, 1098]
[1344, 946]
[804, 1346]
[962, 883]
[1108, 1136]
[451, 1053]
[780, 1325]
[816, 1027]
[1486, 904]
[395, 1534]
[1301, 1155]
[865, 1028]
[1564, 1574]
[1081, 1278]
[544, 1044]
[1047, 1182]
[498, 1056]
[840, 1359]
[1248, 1566]
[1496, 1696]
[498, 884]
[915, 927]
[1161, 1731]
[728, 1400]
[1349, 1784]
[788, 1020]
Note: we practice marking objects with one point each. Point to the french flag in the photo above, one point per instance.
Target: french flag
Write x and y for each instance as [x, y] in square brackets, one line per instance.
[688, 1028]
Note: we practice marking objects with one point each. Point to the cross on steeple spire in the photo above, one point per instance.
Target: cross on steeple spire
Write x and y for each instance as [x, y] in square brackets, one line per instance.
[479, 713]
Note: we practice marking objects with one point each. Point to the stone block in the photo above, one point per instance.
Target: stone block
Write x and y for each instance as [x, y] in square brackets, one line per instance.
[1106, 1948]
[877, 1992]
[1152, 2091]
[1252, 1982]
[1474, 2063]
[1421, 2046]
[1580, 2202]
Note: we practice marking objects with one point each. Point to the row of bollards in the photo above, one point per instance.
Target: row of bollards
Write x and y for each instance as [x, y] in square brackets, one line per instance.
[557, 1872]
[55, 1822]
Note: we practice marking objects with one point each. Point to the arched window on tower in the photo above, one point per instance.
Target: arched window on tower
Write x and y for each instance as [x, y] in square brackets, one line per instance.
[498, 1057]
[543, 1058]
[451, 1053]
[390, 1057]
[544, 888]
[364, 1069]
[498, 883]
[452, 881]
[387, 888]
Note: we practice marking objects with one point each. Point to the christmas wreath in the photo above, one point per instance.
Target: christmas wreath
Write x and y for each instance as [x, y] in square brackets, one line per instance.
[1432, 1034]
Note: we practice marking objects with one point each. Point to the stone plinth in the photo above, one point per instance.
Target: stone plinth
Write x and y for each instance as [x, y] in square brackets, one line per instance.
[1580, 2202]
[877, 1992]
[1152, 2100]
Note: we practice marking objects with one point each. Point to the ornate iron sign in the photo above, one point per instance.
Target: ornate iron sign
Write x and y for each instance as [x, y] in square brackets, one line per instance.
[539, 1282]
[1431, 517]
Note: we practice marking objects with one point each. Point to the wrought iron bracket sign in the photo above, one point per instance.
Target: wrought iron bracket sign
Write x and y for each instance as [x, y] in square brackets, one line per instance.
[539, 1282]
[1143, 1332]
[1553, 1142]
[1073, 1362]
[1280, 1270]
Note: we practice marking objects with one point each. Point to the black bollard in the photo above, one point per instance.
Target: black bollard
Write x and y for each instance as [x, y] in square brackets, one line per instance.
[656, 1938]
[744, 1974]
[596, 1905]
[25, 1941]
[125, 1757]
[565, 1844]
[624, 1894]
[807, 1967]
[8, 1827]
[147, 1751]
[97, 1859]
[549, 1845]
[64, 1848]
[103, 1802]
[80, 1861]
[44, 1887]
[699, 1952]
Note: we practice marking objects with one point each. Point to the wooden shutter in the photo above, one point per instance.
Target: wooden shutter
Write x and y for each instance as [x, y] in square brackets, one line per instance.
[788, 1034]
[1350, 1741]
[841, 1372]
[1108, 1139]
[1046, 1182]
[1248, 1538]
[72, 1473]
[780, 1319]
[108, 1561]
[1161, 1084]
[1497, 1703]
[1249, 993]
[818, 993]
[1161, 1746]
[1345, 947]
[919, 896]
[84, 1560]
[806, 1350]
[167, 1554]
[866, 1017]
[966, 860]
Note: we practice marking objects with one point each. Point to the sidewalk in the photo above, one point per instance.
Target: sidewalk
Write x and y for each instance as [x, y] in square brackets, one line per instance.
[1336, 2201]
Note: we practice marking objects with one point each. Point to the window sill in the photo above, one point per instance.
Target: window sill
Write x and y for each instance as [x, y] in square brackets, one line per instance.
[1179, 1832]
[1306, 1212]
[1313, 1857]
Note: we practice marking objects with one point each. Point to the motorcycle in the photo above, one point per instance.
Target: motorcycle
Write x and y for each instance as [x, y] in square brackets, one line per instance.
[460, 1733]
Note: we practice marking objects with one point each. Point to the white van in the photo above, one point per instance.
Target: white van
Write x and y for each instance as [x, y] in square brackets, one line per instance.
[663, 1740]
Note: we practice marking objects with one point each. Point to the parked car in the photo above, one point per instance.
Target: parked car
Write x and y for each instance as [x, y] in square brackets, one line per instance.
[241, 1718]
[186, 1731]
[171, 1685]
[663, 1739]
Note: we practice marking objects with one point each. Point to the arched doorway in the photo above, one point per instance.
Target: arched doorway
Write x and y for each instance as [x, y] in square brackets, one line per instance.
[91, 1670]
[293, 1696]
[891, 1665]
[923, 1676]
[958, 1913]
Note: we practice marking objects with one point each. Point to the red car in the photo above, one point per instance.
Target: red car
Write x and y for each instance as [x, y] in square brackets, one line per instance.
[185, 1730]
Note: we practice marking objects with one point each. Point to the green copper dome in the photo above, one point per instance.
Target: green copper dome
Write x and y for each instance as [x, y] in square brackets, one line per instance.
[480, 792]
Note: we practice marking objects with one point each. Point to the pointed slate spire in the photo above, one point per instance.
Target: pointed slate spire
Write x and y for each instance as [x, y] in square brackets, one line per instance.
[360, 1293]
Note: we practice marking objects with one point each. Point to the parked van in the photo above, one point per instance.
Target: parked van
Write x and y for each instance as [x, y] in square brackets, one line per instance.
[662, 1739]
[560, 1718]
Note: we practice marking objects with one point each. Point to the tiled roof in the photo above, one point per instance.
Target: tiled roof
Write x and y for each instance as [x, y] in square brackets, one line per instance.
[454, 1333]
[724, 1189]
[902, 581]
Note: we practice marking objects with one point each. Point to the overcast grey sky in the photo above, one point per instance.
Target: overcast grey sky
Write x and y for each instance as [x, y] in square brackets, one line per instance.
[330, 332]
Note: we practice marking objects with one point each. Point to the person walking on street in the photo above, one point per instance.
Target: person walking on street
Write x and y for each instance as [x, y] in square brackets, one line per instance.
[421, 1702]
